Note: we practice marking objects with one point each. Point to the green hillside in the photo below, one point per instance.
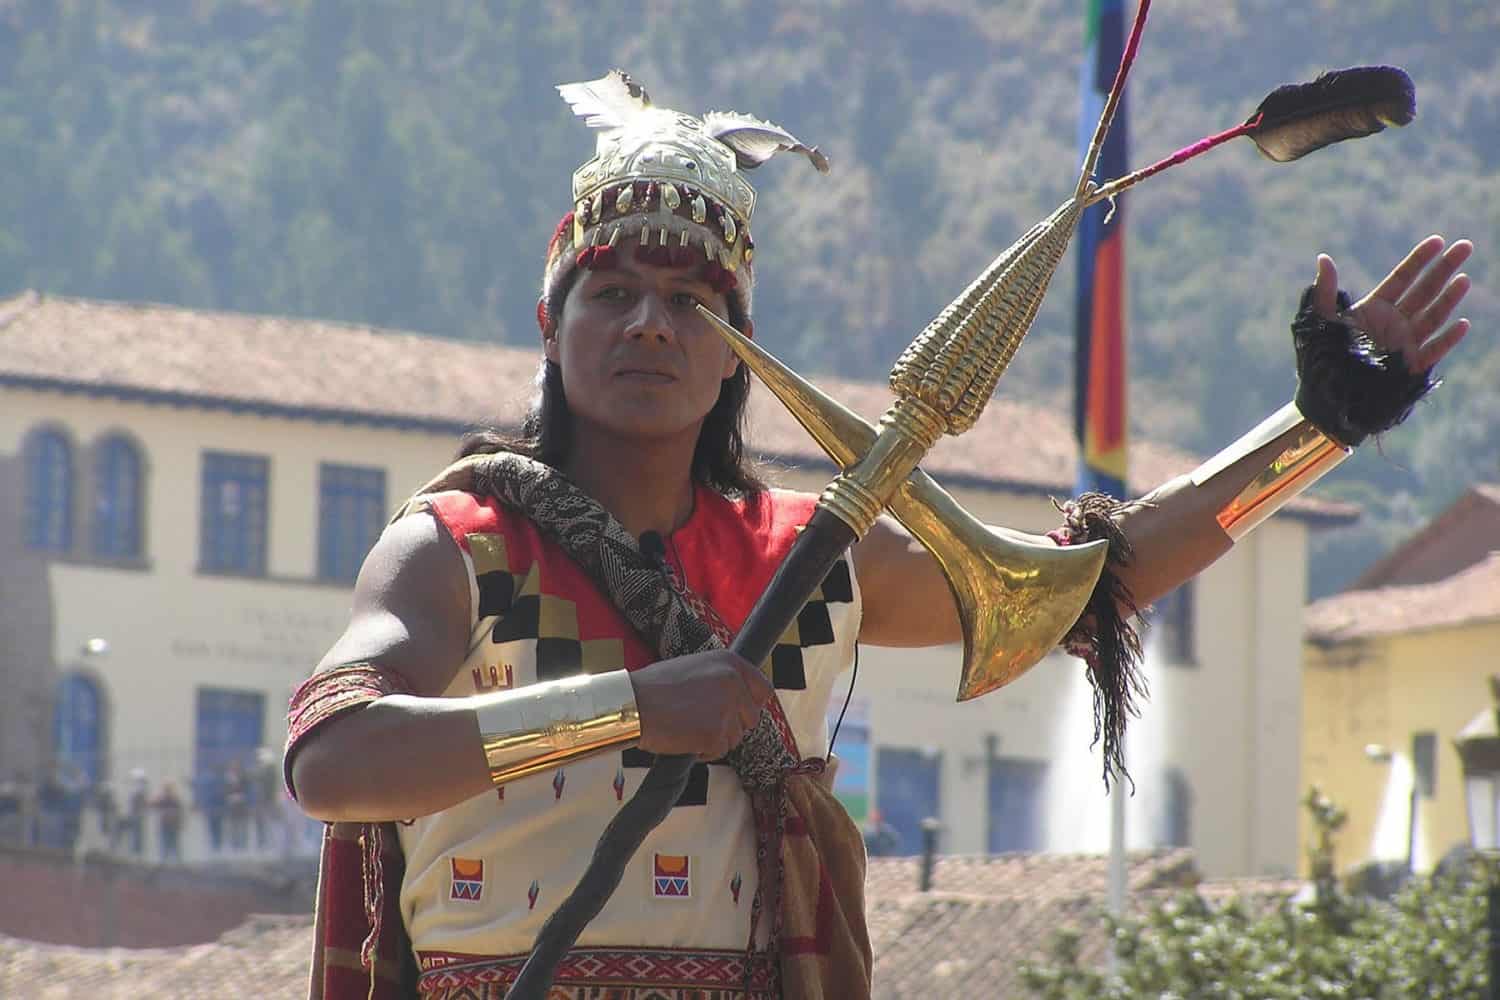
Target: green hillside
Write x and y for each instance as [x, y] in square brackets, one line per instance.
[403, 163]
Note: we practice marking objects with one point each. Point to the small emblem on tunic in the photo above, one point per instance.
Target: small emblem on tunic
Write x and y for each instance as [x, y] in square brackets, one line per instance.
[468, 878]
[671, 876]
[494, 677]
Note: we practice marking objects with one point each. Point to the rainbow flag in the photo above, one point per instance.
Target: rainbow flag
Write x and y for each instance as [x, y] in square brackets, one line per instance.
[1099, 319]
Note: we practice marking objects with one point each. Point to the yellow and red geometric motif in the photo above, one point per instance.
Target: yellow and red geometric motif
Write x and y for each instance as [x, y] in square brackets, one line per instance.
[468, 878]
[671, 876]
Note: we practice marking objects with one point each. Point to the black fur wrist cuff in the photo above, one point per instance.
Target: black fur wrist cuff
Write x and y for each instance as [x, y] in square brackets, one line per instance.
[1346, 385]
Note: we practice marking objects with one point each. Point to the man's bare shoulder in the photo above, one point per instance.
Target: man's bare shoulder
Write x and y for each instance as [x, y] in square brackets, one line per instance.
[411, 606]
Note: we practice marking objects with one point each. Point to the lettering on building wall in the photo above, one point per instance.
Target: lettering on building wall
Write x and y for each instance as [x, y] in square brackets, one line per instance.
[263, 636]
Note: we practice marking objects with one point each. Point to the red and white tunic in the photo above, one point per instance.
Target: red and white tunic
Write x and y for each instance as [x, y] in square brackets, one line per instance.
[482, 876]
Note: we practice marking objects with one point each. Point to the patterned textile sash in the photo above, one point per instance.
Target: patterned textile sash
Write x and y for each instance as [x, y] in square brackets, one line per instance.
[359, 945]
[819, 883]
[616, 973]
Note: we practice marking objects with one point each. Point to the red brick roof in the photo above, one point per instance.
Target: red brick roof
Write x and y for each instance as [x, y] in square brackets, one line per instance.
[318, 370]
[984, 915]
[1468, 597]
[1463, 534]
[966, 937]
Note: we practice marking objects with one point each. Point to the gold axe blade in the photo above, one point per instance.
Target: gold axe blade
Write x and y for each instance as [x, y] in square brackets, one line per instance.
[1017, 595]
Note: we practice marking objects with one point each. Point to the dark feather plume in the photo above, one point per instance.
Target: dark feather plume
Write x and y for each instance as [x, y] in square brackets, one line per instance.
[1342, 104]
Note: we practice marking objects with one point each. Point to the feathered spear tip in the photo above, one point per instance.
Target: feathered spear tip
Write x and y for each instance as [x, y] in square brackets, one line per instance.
[1298, 118]
[1343, 104]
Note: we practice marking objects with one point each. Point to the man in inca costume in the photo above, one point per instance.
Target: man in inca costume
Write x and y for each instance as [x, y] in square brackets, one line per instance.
[553, 611]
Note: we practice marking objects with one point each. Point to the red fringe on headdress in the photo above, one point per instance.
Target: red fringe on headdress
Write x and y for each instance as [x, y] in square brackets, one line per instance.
[563, 228]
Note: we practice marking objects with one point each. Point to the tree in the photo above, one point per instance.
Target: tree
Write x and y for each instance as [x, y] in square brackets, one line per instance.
[1421, 944]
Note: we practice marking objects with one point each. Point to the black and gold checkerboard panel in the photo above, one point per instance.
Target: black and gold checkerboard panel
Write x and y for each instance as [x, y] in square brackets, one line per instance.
[813, 627]
[522, 612]
[526, 613]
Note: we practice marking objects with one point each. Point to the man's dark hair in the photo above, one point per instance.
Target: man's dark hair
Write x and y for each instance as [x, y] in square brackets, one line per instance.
[546, 434]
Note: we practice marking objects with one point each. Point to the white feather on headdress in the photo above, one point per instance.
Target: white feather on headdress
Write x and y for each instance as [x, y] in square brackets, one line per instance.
[615, 101]
[610, 102]
[755, 141]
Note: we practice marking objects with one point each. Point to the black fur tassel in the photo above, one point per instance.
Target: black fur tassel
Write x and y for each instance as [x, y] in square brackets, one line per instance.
[1104, 636]
[1343, 104]
[1346, 385]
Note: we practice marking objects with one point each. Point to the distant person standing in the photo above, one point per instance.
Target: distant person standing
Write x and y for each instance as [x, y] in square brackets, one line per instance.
[267, 791]
[135, 813]
[169, 809]
[209, 796]
[881, 839]
[107, 813]
[12, 830]
[237, 806]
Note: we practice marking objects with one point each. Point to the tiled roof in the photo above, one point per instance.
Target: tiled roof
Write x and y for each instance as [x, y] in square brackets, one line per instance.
[965, 938]
[329, 371]
[1467, 597]
[266, 956]
[1458, 537]
[1027, 876]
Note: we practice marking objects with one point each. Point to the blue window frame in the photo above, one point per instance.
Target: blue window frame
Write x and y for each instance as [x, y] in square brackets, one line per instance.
[117, 499]
[1177, 819]
[230, 727]
[49, 491]
[1017, 814]
[233, 538]
[78, 726]
[351, 512]
[1174, 626]
[908, 783]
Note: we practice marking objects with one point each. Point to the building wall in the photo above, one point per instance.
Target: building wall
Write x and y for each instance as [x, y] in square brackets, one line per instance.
[172, 629]
[1379, 693]
[27, 667]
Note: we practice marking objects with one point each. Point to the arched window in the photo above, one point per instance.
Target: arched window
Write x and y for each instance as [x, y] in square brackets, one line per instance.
[78, 726]
[117, 499]
[49, 491]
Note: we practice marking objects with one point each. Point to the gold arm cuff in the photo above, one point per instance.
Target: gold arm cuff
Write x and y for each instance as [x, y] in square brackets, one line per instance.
[1303, 462]
[541, 726]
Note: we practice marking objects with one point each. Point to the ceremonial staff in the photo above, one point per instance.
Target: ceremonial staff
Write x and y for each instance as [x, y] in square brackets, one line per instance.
[1016, 598]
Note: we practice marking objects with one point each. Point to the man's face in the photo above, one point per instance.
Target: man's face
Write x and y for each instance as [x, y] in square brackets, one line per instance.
[636, 358]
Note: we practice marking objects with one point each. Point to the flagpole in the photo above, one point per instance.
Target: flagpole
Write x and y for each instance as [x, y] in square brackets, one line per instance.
[1099, 378]
[1116, 860]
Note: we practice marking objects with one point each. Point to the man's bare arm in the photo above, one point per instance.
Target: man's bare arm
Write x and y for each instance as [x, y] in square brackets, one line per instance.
[401, 755]
[907, 601]
[412, 755]
[1176, 534]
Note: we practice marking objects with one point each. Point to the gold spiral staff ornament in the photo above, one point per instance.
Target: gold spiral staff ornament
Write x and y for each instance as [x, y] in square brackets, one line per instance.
[1017, 597]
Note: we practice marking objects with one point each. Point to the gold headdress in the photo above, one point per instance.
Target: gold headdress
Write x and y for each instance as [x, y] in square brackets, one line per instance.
[666, 184]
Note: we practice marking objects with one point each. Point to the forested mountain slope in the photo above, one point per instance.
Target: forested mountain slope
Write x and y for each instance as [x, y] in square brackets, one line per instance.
[403, 163]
